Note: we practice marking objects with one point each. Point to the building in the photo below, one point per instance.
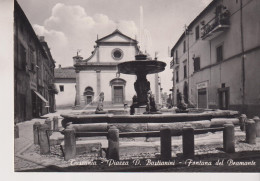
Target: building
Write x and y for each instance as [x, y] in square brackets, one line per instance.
[33, 71]
[65, 81]
[98, 73]
[216, 60]
[47, 68]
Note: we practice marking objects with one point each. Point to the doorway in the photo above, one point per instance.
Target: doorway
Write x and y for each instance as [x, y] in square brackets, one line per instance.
[186, 92]
[118, 94]
[88, 95]
[223, 97]
[89, 99]
[118, 90]
[34, 105]
[202, 98]
[21, 111]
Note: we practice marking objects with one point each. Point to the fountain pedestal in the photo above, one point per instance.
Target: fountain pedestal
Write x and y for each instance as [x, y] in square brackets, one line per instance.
[140, 110]
[142, 86]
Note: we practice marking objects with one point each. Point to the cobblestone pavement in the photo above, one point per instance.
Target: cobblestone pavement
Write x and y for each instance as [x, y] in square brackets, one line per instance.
[22, 164]
[26, 139]
[204, 153]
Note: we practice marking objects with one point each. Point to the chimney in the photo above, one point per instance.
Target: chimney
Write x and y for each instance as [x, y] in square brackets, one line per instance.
[41, 38]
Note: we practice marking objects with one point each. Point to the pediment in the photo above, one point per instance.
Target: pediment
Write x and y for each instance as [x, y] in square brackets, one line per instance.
[117, 81]
[116, 36]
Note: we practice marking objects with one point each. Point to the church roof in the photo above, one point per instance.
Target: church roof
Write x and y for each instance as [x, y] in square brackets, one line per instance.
[114, 33]
[65, 73]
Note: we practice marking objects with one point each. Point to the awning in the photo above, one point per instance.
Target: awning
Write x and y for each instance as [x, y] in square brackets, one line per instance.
[40, 96]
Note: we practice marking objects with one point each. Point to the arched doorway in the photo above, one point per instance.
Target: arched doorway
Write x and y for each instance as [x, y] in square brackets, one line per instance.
[118, 90]
[186, 92]
[88, 95]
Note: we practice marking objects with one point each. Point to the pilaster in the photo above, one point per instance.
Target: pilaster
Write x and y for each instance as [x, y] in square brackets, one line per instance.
[77, 103]
[98, 82]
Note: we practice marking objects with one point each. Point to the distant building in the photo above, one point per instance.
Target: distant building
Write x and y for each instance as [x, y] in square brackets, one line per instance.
[65, 81]
[33, 71]
[216, 60]
[98, 73]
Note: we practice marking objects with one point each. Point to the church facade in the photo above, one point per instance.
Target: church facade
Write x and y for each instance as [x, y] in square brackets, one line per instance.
[98, 73]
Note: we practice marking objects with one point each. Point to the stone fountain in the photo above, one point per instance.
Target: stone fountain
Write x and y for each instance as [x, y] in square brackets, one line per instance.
[141, 67]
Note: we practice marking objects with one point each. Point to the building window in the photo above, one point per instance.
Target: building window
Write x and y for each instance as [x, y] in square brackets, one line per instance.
[176, 57]
[117, 54]
[22, 55]
[184, 46]
[219, 52]
[31, 60]
[196, 64]
[177, 76]
[61, 88]
[197, 34]
[185, 71]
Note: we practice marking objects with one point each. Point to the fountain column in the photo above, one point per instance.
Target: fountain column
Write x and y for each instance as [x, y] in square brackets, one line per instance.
[142, 86]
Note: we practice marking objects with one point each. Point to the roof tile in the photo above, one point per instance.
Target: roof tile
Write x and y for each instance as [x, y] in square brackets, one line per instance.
[66, 72]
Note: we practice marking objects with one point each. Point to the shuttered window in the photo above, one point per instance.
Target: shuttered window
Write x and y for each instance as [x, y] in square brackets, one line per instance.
[177, 75]
[197, 34]
[196, 64]
[185, 71]
[219, 52]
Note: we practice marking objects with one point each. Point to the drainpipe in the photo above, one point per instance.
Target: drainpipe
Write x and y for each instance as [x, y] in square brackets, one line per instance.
[243, 56]
[188, 66]
[186, 31]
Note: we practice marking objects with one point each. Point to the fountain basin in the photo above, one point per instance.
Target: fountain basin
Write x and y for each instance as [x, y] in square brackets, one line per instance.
[148, 122]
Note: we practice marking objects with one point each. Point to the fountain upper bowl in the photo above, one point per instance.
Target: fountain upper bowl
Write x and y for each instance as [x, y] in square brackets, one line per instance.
[141, 66]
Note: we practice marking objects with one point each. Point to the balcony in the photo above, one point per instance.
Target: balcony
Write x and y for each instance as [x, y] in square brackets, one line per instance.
[174, 62]
[216, 26]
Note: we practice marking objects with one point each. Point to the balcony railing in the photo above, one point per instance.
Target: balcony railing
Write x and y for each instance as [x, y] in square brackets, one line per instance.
[175, 61]
[172, 64]
[216, 26]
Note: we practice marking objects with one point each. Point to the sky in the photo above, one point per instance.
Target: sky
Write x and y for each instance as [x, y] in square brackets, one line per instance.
[69, 25]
